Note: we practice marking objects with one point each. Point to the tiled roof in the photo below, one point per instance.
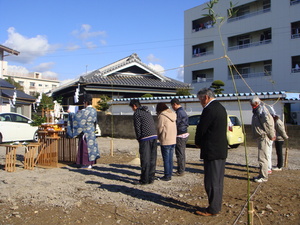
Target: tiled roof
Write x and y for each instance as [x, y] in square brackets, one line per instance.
[135, 80]
[20, 95]
[129, 71]
[5, 84]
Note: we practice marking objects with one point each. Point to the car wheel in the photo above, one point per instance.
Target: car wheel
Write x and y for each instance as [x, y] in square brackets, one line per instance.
[36, 137]
[0, 138]
[234, 146]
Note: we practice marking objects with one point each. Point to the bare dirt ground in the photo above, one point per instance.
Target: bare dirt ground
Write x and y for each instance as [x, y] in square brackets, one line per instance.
[106, 194]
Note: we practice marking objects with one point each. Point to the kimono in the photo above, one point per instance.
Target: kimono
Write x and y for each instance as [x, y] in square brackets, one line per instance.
[82, 124]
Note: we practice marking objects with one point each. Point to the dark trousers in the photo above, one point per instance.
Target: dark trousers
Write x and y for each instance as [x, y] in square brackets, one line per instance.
[278, 147]
[148, 155]
[213, 181]
[180, 153]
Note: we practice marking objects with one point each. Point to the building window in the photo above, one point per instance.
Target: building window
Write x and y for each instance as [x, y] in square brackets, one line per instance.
[40, 85]
[244, 40]
[293, 2]
[202, 76]
[199, 78]
[268, 68]
[296, 64]
[251, 70]
[252, 9]
[31, 84]
[203, 49]
[295, 30]
[21, 83]
[54, 86]
[32, 93]
[202, 24]
[243, 11]
[255, 38]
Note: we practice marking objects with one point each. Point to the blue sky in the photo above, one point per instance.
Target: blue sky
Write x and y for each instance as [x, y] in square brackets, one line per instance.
[66, 38]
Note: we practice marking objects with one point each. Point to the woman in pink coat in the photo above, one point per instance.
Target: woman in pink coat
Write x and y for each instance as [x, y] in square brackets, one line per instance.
[166, 132]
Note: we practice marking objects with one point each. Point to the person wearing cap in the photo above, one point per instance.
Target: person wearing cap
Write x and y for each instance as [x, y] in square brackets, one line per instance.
[82, 125]
[281, 135]
[264, 132]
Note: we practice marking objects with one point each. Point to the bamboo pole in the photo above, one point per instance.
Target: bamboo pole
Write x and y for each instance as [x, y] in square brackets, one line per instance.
[250, 213]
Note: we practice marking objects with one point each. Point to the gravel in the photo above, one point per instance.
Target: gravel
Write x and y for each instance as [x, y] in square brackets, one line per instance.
[108, 183]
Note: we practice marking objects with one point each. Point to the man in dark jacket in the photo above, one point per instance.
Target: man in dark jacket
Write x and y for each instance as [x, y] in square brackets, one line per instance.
[182, 123]
[211, 139]
[147, 137]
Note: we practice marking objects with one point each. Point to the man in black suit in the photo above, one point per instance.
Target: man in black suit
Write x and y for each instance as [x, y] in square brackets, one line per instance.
[212, 140]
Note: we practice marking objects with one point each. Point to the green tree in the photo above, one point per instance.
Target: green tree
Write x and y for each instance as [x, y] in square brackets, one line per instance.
[103, 103]
[147, 96]
[38, 120]
[182, 92]
[46, 102]
[16, 84]
[216, 85]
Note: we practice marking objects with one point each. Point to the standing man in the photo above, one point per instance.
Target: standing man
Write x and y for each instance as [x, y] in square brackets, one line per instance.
[281, 135]
[147, 137]
[212, 140]
[264, 131]
[182, 124]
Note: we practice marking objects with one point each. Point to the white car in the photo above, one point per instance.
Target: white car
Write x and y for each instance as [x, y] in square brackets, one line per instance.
[16, 127]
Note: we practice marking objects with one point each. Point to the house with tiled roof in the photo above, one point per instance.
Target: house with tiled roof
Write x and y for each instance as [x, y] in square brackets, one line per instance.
[126, 78]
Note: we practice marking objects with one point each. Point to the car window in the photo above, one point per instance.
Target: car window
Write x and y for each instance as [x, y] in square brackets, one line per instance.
[194, 120]
[235, 121]
[5, 117]
[21, 119]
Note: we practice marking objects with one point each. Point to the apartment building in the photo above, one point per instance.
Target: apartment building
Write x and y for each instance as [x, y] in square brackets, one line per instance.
[262, 40]
[33, 83]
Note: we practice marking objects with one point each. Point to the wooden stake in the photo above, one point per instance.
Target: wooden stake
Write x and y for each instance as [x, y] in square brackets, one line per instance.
[286, 157]
[112, 147]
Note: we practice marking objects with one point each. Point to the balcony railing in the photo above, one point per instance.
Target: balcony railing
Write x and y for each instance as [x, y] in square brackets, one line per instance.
[249, 15]
[202, 80]
[253, 44]
[202, 54]
[250, 75]
[294, 2]
[294, 36]
[295, 70]
[204, 26]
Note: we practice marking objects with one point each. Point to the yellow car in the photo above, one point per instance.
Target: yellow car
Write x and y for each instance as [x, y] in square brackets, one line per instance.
[235, 135]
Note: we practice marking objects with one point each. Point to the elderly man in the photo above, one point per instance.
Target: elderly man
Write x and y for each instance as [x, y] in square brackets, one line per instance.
[264, 131]
[212, 140]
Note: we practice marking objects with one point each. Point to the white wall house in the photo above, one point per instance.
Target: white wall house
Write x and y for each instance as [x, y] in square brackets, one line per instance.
[235, 104]
[262, 40]
[33, 82]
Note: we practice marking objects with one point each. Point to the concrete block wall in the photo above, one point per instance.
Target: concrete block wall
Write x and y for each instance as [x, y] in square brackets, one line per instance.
[121, 126]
